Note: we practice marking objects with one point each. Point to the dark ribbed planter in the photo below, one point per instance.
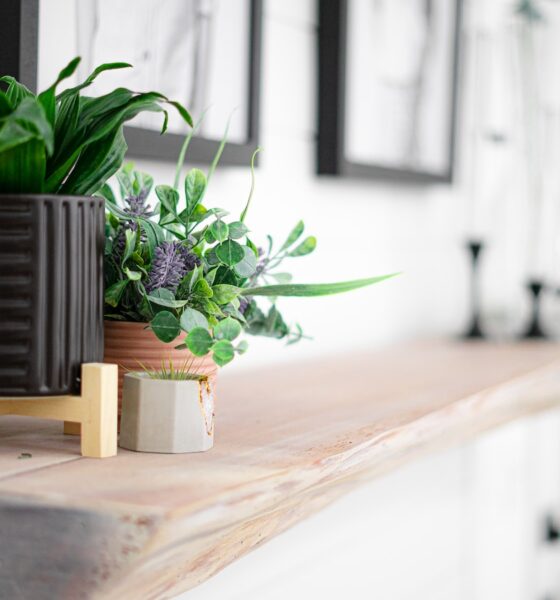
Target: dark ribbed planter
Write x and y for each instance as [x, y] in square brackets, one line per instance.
[51, 292]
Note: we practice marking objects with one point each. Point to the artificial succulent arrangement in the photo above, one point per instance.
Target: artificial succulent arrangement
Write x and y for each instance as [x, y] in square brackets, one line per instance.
[182, 266]
[170, 371]
[68, 143]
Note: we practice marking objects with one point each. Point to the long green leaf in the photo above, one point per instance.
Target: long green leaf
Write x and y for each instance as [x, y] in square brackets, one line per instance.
[219, 152]
[91, 78]
[99, 118]
[16, 91]
[314, 289]
[252, 190]
[184, 148]
[97, 163]
[27, 120]
[48, 97]
[22, 168]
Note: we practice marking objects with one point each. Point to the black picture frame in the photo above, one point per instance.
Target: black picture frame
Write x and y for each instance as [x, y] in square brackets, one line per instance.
[332, 57]
[19, 30]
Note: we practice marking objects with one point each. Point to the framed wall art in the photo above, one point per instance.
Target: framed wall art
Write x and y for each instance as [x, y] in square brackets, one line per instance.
[388, 88]
[204, 53]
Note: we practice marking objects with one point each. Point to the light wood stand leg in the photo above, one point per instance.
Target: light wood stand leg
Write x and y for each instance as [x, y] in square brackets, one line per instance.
[99, 427]
[94, 413]
[71, 428]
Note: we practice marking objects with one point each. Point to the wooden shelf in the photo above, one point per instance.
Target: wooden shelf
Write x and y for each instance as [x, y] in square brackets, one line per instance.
[288, 441]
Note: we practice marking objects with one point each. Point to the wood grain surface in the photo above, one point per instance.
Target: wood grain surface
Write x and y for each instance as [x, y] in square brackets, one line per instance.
[289, 440]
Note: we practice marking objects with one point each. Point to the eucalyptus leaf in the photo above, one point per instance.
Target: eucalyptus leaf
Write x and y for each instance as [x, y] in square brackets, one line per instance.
[230, 252]
[191, 319]
[219, 231]
[248, 265]
[223, 352]
[237, 230]
[166, 326]
[242, 347]
[199, 341]
[227, 329]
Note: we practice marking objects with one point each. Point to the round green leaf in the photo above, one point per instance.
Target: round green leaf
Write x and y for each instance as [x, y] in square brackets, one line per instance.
[230, 253]
[166, 326]
[247, 266]
[227, 329]
[191, 318]
[223, 352]
[237, 230]
[209, 236]
[211, 257]
[199, 341]
[219, 231]
[242, 347]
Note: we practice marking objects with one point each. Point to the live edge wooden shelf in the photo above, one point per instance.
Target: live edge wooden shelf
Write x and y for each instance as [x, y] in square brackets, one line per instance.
[289, 441]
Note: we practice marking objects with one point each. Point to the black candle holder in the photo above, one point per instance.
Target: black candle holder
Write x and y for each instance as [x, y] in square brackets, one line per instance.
[474, 331]
[535, 330]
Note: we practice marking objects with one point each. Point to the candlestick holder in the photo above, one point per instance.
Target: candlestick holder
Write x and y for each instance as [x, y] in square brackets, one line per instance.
[474, 331]
[535, 330]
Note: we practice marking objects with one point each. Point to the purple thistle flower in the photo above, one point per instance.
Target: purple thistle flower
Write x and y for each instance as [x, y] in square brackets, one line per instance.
[244, 304]
[171, 262]
[135, 207]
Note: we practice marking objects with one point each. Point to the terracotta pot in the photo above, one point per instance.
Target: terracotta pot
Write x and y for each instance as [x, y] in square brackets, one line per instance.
[127, 343]
[166, 416]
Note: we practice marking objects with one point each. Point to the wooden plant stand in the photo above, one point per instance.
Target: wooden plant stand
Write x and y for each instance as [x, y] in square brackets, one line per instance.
[94, 412]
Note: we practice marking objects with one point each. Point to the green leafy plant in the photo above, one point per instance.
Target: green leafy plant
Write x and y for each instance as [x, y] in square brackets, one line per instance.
[186, 371]
[183, 267]
[68, 143]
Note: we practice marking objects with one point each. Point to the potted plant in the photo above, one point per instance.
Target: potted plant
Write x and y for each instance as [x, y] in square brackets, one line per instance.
[169, 410]
[182, 279]
[56, 151]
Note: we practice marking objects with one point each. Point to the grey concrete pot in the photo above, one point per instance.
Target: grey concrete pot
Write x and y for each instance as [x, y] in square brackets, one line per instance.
[160, 415]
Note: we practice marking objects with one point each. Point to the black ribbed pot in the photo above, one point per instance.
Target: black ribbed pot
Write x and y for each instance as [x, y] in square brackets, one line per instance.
[51, 292]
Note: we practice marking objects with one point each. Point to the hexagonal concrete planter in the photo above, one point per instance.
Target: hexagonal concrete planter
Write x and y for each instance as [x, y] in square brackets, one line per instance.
[160, 415]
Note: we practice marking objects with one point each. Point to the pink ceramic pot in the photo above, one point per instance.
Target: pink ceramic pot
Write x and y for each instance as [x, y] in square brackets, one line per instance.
[128, 343]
